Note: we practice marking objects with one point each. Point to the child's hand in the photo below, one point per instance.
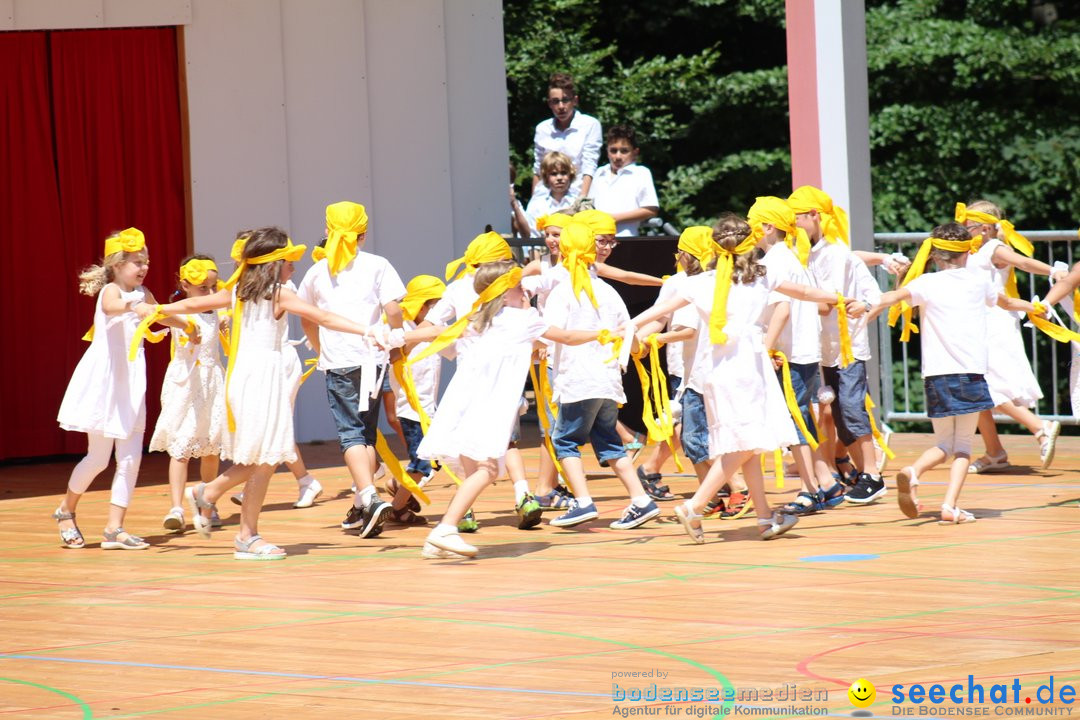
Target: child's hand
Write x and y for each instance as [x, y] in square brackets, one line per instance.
[144, 310]
[193, 333]
[856, 308]
[875, 311]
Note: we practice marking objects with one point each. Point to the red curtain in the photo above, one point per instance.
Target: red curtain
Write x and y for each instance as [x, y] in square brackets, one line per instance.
[112, 105]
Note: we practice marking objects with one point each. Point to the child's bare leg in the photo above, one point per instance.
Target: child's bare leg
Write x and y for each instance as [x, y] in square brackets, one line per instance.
[480, 475]
[178, 472]
[755, 481]
[660, 454]
[254, 496]
[719, 473]
[390, 408]
[208, 470]
[804, 462]
[547, 476]
[624, 469]
[574, 472]
[1022, 415]
[988, 430]
[963, 438]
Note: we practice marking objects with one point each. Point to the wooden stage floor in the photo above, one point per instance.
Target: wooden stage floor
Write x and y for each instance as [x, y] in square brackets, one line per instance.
[545, 623]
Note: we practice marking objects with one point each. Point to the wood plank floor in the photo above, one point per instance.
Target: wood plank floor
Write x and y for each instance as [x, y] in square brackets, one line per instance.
[545, 623]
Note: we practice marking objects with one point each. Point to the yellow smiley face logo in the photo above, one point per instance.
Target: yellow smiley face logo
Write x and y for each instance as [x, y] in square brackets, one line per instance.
[862, 693]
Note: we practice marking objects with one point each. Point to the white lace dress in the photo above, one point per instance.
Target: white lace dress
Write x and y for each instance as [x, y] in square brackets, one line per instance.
[260, 389]
[192, 415]
[107, 393]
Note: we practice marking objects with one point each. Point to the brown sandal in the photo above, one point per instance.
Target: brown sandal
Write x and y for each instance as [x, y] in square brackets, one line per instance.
[405, 516]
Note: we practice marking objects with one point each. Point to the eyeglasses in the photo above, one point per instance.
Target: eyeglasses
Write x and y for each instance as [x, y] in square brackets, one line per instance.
[560, 101]
[607, 243]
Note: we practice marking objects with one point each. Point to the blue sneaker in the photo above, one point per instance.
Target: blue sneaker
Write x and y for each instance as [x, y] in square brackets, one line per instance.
[576, 515]
[634, 516]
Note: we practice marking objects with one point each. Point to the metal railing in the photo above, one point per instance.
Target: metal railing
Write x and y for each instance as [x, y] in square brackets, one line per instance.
[1049, 357]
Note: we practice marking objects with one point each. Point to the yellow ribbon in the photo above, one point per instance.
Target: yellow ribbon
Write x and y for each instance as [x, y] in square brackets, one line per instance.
[697, 241]
[130, 240]
[403, 372]
[874, 428]
[196, 270]
[419, 290]
[1052, 329]
[918, 267]
[1014, 239]
[660, 424]
[606, 337]
[847, 355]
[318, 253]
[394, 466]
[834, 219]
[725, 263]
[143, 331]
[600, 222]
[488, 247]
[543, 395]
[577, 252]
[553, 220]
[345, 223]
[778, 467]
[793, 401]
[776, 212]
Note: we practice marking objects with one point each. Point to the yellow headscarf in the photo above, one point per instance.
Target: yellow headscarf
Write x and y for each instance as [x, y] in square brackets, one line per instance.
[195, 270]
[834, 220]
[318, 253]
[600, 222]
[577, 251]
[130, 240]
[697, 241]
[776, 212]
[345, 222]
[484, 248]
[1011, 237]
[918, 267]
[419, 290]
[553, 220]
[725, 263]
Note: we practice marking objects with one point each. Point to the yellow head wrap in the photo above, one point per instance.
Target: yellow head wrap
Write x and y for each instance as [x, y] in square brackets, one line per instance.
[195, 270]
[485, 248]
[345, 222]
[577, 251]
[552, 220]
[419, 290]
[725, 263]
[834, 220]
[1010, 236]
[600, 222]
[697, 241]
[918, 267]
[130, 240]
[776, 212]
[318, 253]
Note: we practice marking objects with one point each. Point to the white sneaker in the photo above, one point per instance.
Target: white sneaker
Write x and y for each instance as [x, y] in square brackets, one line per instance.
[309, 491]
[432, 552]
[451, 542]
[426, 479]
[174, 520]
[1048, 442]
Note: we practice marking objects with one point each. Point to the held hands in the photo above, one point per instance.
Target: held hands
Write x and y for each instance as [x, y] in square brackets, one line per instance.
[856, 308]
[144, 310]
[193, 333]
[896, 264]
[386, 338]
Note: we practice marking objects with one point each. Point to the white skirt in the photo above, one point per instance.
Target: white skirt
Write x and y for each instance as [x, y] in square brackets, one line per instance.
[1008, 372]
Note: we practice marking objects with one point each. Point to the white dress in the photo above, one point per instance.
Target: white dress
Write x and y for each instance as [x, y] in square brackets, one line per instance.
[265, 376]
[107, 393]
[1009, 374]
[192, 415]
[476, 414]
[744, 404]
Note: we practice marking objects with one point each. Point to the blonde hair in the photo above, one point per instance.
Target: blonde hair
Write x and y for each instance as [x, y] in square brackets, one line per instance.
[553, 162]
[261, 282]
[734, 230]
[985, 206]
[485, 275]
[95, 277]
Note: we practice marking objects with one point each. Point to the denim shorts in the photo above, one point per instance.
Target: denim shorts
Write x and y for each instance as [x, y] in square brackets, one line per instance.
[694, 432]
[588, 421]
[849, 407]
[386, 387]
[343, 392]
[414, 433]
[956, 394]
[805, 381]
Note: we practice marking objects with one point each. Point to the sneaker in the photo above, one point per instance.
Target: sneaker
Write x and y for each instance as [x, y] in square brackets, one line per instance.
[451, 542]
[426, 479]
[867, 489]
[529, 512]
[1048, 441]
[215, 519]
[309, 491]
[576, 515]
[635, 516]
[432, 552]
[375, 514]
[468, 523]
[174, 521]
[553, 500]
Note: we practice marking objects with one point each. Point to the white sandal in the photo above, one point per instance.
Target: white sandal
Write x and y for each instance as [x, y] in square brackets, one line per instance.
[989, 463]
[70, 537]
[777, 525]
[112, 540]
[266, 551]
[906, 482]
[1047, 438]
[691, 522]
[198, 503]
[958, 516]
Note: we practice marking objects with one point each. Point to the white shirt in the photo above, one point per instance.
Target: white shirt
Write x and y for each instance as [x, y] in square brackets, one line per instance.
[426, 379]
[800, 340]
[952, 320]
[581, 140]
[359, 292]
[456, 302]
[541, 205]
[675, 362]
[834, 268]
[586, 372]
[628, 189]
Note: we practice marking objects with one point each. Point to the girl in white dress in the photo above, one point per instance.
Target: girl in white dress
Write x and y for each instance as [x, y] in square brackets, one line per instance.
[1013, 386]
[745, 407]
[476, 415]
[192, 394]
[261, 380]
[106, 397]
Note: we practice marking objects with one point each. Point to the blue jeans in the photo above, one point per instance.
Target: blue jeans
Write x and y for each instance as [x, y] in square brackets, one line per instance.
[849, 407]
[805, 381]
[414, 433]
[343, 393]
[588, 421]
[694, 433]
[956, 394]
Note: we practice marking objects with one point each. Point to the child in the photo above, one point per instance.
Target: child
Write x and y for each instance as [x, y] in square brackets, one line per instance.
[954, 304]
[571, 132]
[106, 396]
[603, 226]
[623, 188]
[361, 287]
[557, 173]
[192, 394]
[1013, 385]
[477, 413]
[746, 409]
[588, 384]
[261, 379]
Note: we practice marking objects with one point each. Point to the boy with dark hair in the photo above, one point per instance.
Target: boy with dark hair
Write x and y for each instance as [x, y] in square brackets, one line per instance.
[622, 188]
[567, 131]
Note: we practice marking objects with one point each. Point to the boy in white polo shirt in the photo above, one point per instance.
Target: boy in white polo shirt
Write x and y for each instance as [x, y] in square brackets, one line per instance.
[622, 188]
[569, 131]
[361, 287]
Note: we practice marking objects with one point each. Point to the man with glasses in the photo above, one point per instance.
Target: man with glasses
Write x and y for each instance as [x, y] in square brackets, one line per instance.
[568, 131]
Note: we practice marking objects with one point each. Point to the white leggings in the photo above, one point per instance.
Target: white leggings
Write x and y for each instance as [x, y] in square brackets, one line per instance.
[955, 434]
[128, 457]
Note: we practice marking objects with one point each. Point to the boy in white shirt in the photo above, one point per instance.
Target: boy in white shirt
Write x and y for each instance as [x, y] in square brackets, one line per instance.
[361, 287]
[557, 171]
[622, 188]
[588, 383]
[568, 131]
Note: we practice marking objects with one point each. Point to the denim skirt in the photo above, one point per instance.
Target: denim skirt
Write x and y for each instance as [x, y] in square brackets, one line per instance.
[956, 394]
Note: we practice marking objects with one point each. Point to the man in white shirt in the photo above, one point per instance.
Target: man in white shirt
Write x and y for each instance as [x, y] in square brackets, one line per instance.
[567, 131]
[622, 188]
